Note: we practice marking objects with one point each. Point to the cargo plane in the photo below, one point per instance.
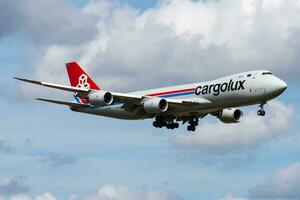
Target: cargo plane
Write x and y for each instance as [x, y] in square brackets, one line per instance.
[170, 105]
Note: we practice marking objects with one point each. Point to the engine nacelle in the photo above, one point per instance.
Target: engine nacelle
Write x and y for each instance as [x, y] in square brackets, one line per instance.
[155, 105]
[100, 98]
[230, 115]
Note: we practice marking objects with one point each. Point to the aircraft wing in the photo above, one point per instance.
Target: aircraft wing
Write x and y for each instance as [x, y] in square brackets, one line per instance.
[129, 100]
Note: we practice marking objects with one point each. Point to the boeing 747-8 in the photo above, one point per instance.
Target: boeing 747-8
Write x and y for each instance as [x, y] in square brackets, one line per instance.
[186, 103]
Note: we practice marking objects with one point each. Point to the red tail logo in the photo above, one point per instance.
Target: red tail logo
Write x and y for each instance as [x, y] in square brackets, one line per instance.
[78, 77]
[82, 82]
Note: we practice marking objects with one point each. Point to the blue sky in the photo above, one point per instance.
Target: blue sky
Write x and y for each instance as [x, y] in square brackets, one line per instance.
[47, 151]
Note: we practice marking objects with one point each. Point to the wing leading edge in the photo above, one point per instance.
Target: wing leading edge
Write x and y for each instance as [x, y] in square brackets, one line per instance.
[55, 86]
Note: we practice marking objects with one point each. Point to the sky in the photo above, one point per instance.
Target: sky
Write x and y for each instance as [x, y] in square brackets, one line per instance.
[48, 152]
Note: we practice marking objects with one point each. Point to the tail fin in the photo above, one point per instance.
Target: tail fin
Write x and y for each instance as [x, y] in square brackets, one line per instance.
[78, 78]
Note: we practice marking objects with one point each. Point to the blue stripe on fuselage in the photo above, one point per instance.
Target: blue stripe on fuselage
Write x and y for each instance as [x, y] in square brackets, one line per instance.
[176, 95]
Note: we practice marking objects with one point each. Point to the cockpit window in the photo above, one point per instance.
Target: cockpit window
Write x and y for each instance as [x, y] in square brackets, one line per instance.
[265, 73]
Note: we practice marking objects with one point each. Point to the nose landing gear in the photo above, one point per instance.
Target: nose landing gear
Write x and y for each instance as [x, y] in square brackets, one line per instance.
[261, 111]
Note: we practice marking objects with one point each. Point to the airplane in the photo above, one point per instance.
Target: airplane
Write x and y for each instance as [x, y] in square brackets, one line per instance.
[170, 105]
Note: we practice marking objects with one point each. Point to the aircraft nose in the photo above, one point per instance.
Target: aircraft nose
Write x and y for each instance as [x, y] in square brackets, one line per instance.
[281, 85]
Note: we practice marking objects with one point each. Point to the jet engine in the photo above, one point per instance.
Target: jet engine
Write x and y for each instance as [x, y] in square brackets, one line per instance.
[230, 115]
[155, 105]
[100, 98]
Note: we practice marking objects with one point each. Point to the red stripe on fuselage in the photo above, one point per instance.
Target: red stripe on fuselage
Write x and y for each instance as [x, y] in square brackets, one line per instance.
[171, 92]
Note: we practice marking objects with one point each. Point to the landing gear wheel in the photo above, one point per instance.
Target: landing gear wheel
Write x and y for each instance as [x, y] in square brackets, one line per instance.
[191, 128]
[157, 124]
[176, 125]
[194, 122]
[261, 113]
[172, 126]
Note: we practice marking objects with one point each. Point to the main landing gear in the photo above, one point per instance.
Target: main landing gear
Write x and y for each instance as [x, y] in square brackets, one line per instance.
[261, 111]
[169, 124]
[192, 124]
[160, 122]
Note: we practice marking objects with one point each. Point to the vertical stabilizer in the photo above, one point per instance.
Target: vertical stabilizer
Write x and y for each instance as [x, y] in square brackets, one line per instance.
[78, 77]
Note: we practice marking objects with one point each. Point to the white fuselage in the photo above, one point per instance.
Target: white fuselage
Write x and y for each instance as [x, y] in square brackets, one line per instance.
[241, 89]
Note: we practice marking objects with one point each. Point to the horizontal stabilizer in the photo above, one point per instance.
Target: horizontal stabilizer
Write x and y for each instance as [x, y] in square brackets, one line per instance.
[71, 104]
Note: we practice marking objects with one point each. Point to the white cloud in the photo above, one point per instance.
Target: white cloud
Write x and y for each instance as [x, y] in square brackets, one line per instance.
[237, 139]
[107, 192]
[232, 197]
[111, 192]
[45, 196]
[283, 184]
[270, 5]
[186, 16]
[99, 8]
